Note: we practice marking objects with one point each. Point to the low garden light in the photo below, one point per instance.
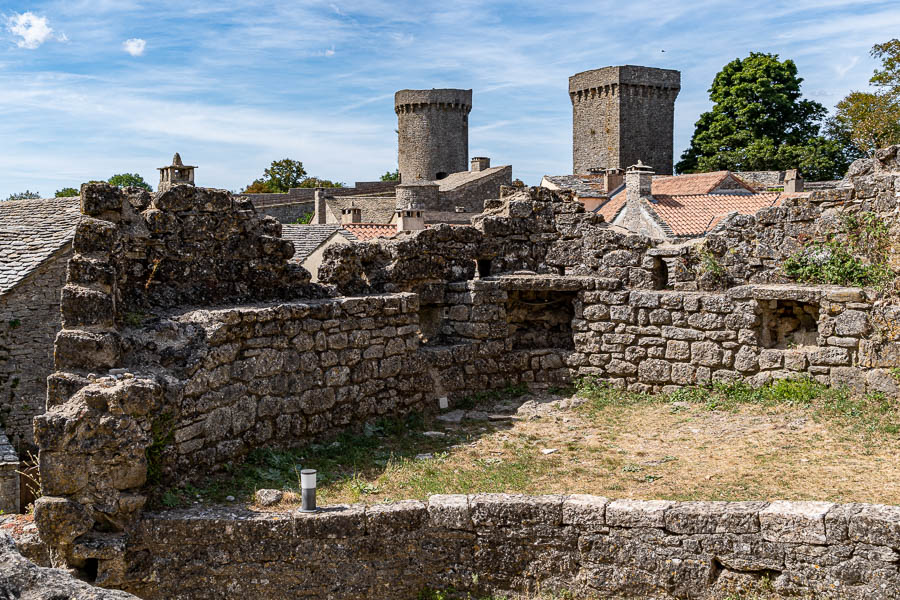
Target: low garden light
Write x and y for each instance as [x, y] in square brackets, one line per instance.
[308, 490]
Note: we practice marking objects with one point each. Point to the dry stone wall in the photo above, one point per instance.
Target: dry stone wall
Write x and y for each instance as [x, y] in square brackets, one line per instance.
[492, 543]
[189, 340]
[29, 320]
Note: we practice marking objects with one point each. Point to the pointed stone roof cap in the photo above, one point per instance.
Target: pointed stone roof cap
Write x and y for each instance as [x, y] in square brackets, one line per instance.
[176, 160]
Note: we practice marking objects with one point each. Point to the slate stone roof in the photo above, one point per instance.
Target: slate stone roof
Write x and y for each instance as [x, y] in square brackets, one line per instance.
[584, 186]
[306, 238]
[688, 216]
[373, 209]
[455, 180]
[31, 231]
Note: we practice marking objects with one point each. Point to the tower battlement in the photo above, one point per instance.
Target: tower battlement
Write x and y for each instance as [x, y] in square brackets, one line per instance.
[433, 133]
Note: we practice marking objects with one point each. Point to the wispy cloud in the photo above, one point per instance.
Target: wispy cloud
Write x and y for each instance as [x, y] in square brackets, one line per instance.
[235, 85]
[134, 46]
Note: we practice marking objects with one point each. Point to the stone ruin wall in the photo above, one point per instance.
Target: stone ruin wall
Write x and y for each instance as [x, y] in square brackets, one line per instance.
[29, 320]
[179, 390]
[490, 543]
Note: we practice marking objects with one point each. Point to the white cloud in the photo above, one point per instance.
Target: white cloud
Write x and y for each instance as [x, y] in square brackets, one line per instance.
[33, 30]
[134, 46]
[330, 51]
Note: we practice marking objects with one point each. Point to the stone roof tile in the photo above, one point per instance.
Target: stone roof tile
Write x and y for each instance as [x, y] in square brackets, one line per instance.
[31, 231]
[307, 238]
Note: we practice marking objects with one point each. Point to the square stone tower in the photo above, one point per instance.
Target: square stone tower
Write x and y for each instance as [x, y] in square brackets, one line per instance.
[621, 115]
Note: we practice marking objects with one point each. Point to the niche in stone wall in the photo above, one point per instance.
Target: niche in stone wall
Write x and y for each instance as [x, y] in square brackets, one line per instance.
[788, 324]
[541, 319]
[431, 320]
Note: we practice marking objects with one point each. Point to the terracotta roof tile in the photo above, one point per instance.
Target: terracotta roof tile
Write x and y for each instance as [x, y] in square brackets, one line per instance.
[611, 208]
[696, 214]
[693, 183]
[370, 231]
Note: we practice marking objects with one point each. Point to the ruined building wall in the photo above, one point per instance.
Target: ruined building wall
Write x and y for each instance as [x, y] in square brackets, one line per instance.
[433, 132]
[29, 321]
[471, 196]
[621, 115]
[537, 291]
[586, 546]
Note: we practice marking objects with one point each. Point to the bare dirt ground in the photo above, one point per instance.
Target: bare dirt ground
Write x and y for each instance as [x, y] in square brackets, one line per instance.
[549, 443]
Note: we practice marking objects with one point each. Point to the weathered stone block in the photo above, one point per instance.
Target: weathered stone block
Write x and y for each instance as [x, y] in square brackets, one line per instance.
[637, 513]
[450, 512]
[800, 522]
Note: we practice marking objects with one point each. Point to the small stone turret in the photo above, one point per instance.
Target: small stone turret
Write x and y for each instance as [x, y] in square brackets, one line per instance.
[481, 163]
[433, 133]
[175, 174]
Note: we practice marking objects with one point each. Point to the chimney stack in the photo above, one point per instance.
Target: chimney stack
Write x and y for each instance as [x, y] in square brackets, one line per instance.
[411, 218]
[613, 179]
[321, 208]
[638, 185]
[793, 181]
[351, 214]
[481, 163]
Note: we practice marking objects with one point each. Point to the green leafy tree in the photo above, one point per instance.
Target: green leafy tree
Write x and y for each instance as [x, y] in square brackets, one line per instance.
[284, 174]
[391, 175]
[129, 180]
[871, 120]
[759, 121]
[67, 192]
[26, 195]
[315, 182]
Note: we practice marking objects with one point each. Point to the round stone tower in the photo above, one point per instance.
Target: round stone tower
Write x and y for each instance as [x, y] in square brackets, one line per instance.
[622, 115]
[433, 133]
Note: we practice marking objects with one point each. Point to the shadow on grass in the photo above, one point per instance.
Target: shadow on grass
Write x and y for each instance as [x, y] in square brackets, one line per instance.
[349, 463]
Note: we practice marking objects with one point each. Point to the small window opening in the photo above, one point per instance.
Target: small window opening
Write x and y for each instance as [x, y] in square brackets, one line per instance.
[660, 274]
[484, 267]
[539, 319]
[440, 175]
[788, 324]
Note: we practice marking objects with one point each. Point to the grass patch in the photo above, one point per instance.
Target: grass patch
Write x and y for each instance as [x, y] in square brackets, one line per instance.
[868, 414]
[794, 439]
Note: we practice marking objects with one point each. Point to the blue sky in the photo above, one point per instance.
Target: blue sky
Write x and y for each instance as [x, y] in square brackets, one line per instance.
[93, 88]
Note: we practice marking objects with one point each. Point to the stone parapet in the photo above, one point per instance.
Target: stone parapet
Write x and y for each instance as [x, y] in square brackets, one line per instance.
[586, 546]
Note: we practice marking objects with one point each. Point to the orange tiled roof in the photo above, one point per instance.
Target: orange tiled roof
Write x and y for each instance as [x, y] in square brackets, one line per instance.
[370, 231]
[698, 213]
[692, 184]
[611, 208]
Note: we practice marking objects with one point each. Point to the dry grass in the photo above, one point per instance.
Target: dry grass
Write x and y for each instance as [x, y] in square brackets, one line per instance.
[798, 442]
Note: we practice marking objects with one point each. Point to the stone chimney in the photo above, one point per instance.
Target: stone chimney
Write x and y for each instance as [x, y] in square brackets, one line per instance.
[638, 180]
[351, 214]
[411, 218]
[793, 181]
[481, 163]
[613, 178]
[321, 208]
